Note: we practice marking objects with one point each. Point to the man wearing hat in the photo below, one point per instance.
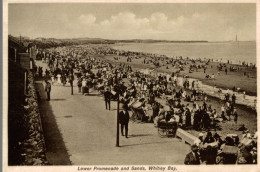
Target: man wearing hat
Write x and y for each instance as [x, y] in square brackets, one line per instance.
[124, 120]
[107, 96]
[48, 90]
[192, 158]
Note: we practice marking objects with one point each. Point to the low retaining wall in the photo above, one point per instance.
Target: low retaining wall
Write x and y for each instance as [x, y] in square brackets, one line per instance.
[185, 136]
[34, 145]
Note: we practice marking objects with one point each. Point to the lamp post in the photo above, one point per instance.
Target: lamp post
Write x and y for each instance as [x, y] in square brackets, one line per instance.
[71, 82]
[117, 123]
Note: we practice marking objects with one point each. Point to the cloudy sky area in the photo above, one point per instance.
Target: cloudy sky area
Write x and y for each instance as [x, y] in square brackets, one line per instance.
[212, 22]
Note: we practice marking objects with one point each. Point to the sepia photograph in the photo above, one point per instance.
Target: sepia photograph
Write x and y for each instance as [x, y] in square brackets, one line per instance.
[131, 86]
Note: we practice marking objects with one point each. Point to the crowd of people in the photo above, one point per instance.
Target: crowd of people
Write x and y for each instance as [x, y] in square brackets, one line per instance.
[150, 98]
[211, 149]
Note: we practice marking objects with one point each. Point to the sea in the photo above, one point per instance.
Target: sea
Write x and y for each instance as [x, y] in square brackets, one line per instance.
[235, 52]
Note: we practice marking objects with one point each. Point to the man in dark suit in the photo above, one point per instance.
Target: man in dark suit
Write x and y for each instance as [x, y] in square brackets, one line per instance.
[192, 158]
[48, 90]
[124, 120]
[107, 96]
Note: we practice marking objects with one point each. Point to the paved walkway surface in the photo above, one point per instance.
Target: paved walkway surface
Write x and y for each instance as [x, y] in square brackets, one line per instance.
[80, 131]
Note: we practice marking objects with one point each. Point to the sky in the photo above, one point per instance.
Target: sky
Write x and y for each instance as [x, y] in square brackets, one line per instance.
[164, 21]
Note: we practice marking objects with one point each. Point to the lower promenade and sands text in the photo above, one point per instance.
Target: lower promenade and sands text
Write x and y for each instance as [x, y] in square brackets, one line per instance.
[125, 168]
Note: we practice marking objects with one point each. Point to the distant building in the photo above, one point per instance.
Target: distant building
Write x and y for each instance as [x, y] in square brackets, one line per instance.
[22, 53]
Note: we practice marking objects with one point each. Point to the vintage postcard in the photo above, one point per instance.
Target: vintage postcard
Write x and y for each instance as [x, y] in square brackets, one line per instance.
[130, 86]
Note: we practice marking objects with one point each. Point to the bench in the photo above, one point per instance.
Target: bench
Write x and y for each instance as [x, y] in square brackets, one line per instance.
[185, 136]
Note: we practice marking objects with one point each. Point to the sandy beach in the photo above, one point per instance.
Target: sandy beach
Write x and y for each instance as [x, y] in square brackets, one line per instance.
[246, 83]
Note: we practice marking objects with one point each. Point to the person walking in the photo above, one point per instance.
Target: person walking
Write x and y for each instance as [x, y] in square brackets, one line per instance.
[52, 79]
[59, 79]
[196, 121]
[48, 90]
[235, 115]
[188, 117]
[79, 84]
[107, 96]
[84, 86]
[124, 120]
[234, 99]
[223, 112]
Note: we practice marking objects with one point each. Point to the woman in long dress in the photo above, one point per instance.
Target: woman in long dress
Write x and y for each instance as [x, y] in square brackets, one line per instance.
[59, 79]
[52, 79]
[84, 86]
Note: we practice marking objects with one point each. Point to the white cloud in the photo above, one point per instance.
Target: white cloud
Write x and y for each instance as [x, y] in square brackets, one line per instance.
[158, 17]
[87, 19]
[126, 25]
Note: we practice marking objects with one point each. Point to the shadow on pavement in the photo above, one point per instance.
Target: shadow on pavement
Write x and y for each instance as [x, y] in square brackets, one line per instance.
[139, 135]
[144, 144]
[56, 151]
[68, 116]
[92, 94]
[57, 99]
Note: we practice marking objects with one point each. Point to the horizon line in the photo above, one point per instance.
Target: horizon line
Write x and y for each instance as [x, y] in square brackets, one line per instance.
[135, 39]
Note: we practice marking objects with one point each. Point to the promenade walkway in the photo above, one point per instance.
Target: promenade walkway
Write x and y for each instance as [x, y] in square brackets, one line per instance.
[79, 131]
